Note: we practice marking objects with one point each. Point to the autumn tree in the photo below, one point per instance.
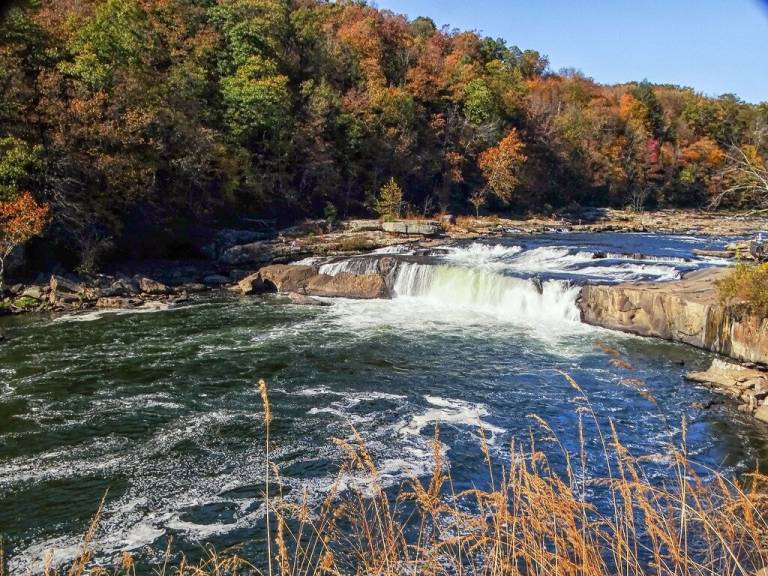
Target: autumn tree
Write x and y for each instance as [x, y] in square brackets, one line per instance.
[389, 202]
[139, 120]
[501, 166]
[478, 198]
[21, 219]
[746, 178]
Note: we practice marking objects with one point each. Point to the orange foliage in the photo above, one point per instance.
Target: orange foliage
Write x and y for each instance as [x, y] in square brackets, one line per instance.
[501, 165]
[20, 219]
[704, 151]
[633, 112]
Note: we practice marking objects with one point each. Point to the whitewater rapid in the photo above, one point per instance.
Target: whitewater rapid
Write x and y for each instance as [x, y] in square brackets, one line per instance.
[164, 409]
[502, 281]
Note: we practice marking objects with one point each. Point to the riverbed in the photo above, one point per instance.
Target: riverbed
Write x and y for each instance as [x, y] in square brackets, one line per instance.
[161, 407]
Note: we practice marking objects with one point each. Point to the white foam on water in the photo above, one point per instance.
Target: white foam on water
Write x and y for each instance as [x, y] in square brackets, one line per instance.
[644, 257]
[453, 412]
[564, 260]
[146, 308]
[6, 389]
[493, 294]
[482, 255]
[309, 261]
[354, 265]
[627, 272]
[394, 249]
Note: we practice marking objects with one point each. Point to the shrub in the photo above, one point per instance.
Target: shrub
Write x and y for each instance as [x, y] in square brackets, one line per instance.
[747, 286]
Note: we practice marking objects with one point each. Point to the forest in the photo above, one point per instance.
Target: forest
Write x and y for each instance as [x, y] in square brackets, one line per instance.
[128, 128]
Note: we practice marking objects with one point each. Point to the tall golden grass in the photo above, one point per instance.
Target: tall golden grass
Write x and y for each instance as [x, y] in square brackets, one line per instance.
[531, 520]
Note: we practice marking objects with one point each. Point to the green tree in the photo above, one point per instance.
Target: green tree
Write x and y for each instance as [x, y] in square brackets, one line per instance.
[115, 37]
[480, 104]
[19, 161]
[257, 99]
[389, 203]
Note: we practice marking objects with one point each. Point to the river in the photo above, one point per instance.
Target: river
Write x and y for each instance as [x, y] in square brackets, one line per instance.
[162, 408]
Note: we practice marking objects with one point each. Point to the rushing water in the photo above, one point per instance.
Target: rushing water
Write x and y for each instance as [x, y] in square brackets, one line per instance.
[162, 408]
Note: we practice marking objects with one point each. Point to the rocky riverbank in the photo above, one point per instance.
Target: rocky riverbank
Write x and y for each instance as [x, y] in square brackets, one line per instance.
[690, 311]
[687, 311]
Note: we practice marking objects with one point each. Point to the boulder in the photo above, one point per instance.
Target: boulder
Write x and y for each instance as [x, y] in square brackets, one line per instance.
[687, 310]
[107, 303]
[287, 278]
[758, 249]
[347, 285]
[251, 283]
[36, 292]
[256, 253]
[308, 281]
[743, 383]
[121, 287]
[216, 280]
[730, 375]
[226, 239]
[363, 225]
[421, 227]
[153, 287]
[64, 285]
[66, 293]
[762, 414]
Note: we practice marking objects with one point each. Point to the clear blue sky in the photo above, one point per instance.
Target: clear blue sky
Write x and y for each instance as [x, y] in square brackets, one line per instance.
[714, 46]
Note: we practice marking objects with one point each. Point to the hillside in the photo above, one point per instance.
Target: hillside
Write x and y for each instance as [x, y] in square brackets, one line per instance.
[143, 124]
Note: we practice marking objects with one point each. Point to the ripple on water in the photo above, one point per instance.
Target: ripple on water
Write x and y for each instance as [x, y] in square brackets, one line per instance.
[165, 409]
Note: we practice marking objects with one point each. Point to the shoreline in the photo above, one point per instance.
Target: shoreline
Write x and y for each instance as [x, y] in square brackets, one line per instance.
[235, 254]
[685, 311]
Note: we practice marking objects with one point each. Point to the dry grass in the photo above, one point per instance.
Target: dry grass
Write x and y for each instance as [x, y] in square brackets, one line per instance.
[534, 518]
[747, 286]
[355, 243]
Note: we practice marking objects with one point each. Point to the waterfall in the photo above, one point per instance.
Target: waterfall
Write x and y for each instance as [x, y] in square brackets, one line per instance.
[354, 265]
[489, 292]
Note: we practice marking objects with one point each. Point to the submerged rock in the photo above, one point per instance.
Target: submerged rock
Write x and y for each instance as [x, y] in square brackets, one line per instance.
[303, 300]
[216, 280]
[714, 253]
